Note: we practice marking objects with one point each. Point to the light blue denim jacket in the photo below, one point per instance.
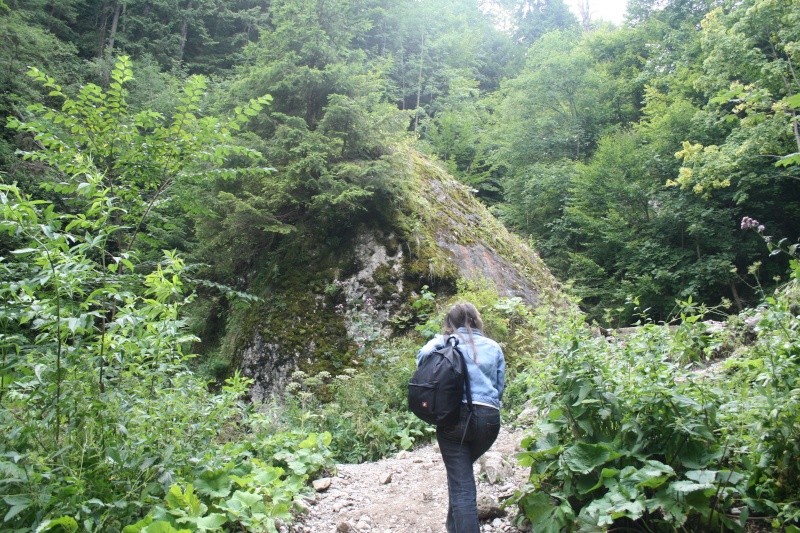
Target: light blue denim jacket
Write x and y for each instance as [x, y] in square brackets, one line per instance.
[485, 364]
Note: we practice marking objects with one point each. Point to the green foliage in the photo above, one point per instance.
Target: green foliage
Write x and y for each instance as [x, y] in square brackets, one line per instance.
[611, 448]
[236, 489]
[630, 237]
[538, 18]
[632, 436]
[720, 99]
[364, 409]
[327, 137]
[24, 44]
[554, 108]
[764, 413]
[750, 86]
[420, 314]
[98, 410]
[94, 384]
[512, 114]
[441, 52]
[102, 424]
[138, 156]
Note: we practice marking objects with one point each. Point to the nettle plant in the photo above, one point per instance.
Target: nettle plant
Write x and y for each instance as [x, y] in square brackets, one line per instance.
[636, 435]
[763, 416]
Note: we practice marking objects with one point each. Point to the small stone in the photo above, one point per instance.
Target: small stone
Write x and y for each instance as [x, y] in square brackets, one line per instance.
[496, 469]
[488, 507]
[529, 415]
[322, 484]
[403, 454]
[344, 527]
[338, 506]
[386, 478]
[309, 499]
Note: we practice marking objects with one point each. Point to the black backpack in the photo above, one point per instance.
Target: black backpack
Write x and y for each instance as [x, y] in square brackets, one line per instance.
[437, 387]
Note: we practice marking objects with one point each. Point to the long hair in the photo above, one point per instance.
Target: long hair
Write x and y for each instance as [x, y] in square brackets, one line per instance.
[464, 315]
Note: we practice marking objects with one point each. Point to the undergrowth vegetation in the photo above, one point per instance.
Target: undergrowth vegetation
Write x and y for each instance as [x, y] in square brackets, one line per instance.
[365, 407]
[691, 427]
[633, 434]
[103, 427]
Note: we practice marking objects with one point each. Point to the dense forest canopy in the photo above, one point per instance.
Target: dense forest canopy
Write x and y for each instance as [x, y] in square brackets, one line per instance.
[161, 159]
[628, 154]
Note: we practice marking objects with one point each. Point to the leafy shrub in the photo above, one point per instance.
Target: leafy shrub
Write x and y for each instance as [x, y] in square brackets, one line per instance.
[100, 418]
[235, 489]
[99, 412]
[632, 436]
[364, 409]
[628, 437]
[763, 414]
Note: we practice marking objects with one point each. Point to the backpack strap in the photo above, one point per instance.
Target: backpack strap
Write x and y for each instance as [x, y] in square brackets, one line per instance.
[466, 380]
[466, 385]
[466, 370]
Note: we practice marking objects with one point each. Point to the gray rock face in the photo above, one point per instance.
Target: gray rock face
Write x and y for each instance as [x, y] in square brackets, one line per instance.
[367, 308]
[477, 261]
[268, 366]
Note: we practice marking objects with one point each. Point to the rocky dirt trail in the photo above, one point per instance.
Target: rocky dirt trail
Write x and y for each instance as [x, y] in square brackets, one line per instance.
[407, 493]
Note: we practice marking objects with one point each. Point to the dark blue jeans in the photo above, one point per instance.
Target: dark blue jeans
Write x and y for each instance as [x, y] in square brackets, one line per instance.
[461, 445]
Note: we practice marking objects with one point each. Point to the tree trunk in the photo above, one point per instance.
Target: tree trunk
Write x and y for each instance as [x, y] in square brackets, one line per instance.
[403, 79]
[101, 35]
[585, 15]
[573, 111]
[184, 31]
[52, 17]
[736, 299]
[112, 35]
[419, 82]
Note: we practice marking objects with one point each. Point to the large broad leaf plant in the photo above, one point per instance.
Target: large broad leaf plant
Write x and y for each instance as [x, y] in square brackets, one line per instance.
[629, 438]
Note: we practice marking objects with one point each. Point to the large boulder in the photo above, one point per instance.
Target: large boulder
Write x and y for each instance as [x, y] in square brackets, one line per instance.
[322, 302]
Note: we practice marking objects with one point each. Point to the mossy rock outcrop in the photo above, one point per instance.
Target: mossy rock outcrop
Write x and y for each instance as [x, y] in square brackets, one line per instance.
[322, 300]
[456, 236]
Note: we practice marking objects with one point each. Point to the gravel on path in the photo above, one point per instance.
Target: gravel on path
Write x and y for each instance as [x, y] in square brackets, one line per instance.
[407, 493]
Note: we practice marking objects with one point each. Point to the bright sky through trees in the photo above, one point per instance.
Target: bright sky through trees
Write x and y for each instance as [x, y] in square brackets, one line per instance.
[610, 10]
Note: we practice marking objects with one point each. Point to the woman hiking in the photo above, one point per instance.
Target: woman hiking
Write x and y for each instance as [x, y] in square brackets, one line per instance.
[476, 430]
